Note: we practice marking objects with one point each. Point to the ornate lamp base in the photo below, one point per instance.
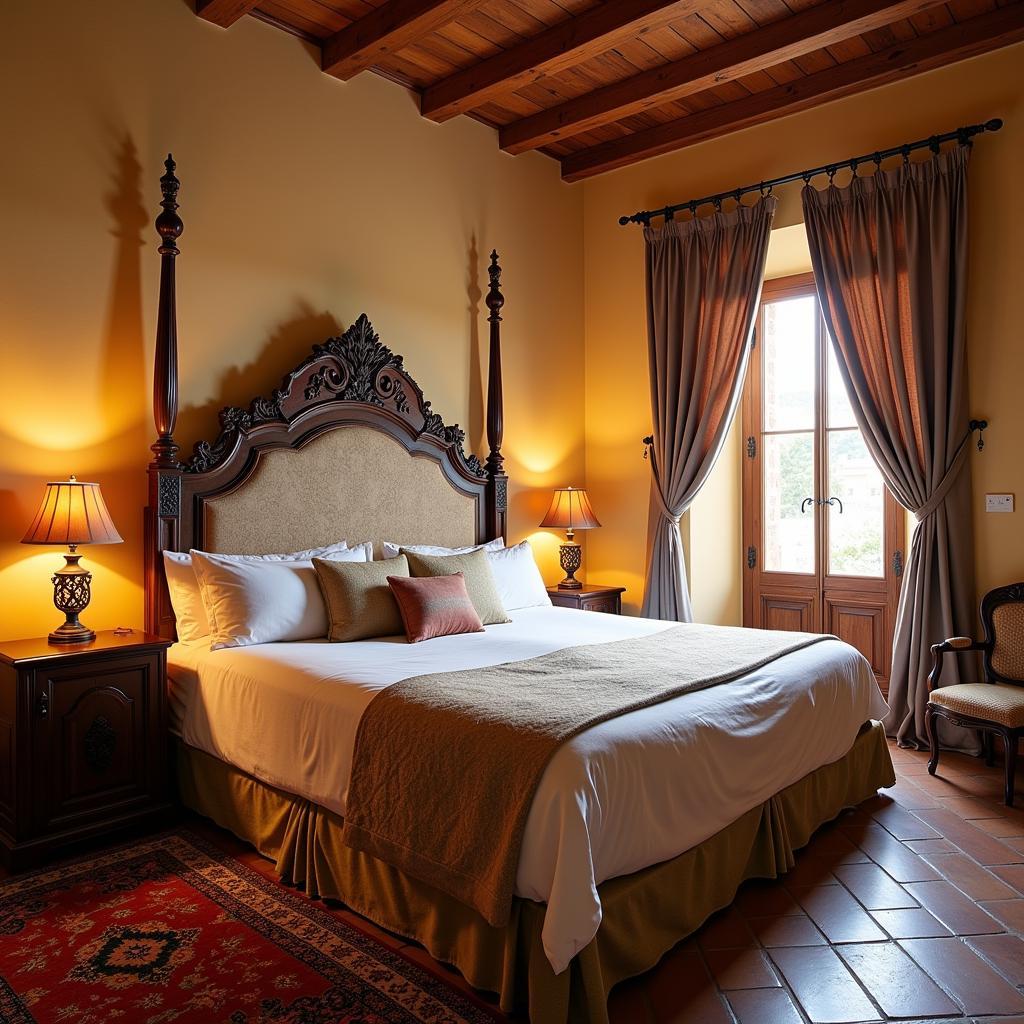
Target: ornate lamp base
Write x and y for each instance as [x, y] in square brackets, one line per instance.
[72, 591]
[570, 556]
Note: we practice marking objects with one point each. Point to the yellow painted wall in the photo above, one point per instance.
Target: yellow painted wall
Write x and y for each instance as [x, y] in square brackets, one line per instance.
[617, 399]
[306, 201]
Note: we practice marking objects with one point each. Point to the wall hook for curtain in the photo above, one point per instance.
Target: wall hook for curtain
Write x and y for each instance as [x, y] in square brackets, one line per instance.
[647, 442]
[980, 426]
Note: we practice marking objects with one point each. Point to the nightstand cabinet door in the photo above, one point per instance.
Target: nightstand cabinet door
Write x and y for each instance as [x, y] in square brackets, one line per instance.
[92, 736]
[610, 603]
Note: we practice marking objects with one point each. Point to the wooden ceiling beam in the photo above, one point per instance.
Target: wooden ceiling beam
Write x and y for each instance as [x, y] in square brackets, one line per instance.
[384, 31]
[224, 12]
[810, 30]
[562, 46]
[978, 35]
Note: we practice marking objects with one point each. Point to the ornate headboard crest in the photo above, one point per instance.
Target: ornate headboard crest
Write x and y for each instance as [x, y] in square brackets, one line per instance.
[356, 367]
[351, 379]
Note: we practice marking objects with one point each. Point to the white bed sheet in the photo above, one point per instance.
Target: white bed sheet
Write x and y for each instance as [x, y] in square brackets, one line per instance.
[623, 795]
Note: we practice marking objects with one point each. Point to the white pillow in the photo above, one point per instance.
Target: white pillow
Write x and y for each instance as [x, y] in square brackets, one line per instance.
[392, 550]
[187, 599]
[517, 577]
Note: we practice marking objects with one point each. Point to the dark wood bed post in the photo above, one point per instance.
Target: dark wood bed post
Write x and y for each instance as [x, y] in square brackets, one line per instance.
[164, 510]
[497, 497]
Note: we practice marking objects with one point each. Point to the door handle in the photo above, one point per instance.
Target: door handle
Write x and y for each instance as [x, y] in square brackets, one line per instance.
[833, 502]
[805, 503]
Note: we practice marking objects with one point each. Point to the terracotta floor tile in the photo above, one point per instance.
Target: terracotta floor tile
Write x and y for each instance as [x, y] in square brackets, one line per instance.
[904, 824]
[922, 846]
[832, 844]
[982, 847]
[1006, 952]
[1001, 827]
[837, 914]
[1010, 912]
[740, 968]
[825, 988]
[810, 870]
[915, 923]
[895, 982]
[1015, 842]
[964, 975]
[970, 808]
[786, 931]
[726, 930]
[901, 863]
[970, 877]
[906, 794]
[681, 992]
[765, 899]
[1013, 874]
[764, 1006]
[873, 887]
[961, 915]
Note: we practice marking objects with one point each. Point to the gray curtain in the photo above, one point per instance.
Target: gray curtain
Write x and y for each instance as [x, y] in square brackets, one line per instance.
[890, 265]
[703, 287]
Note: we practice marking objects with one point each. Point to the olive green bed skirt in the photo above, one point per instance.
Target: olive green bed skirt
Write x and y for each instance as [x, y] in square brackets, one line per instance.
[644, 914]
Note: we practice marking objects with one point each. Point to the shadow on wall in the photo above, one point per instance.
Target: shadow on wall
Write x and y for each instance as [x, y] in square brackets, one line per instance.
[290, 343]
[116, 460]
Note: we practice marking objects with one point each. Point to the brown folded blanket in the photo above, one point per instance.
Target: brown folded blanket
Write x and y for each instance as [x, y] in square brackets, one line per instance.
[446, 765]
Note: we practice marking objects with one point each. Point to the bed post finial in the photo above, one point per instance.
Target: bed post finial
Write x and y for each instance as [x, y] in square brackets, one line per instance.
[165, 370]
[498, 486]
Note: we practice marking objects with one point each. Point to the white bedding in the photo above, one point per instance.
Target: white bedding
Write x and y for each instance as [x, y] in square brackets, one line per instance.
[621, 796]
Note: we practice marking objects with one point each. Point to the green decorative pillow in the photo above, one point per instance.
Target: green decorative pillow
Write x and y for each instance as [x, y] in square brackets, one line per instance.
[476, 568]
[360, 604]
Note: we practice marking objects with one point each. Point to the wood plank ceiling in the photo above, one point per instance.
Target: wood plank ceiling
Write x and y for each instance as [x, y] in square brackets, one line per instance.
[602, 85]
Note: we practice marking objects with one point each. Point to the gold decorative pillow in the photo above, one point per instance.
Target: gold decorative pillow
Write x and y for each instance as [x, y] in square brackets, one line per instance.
[360, 604]
[476, 569]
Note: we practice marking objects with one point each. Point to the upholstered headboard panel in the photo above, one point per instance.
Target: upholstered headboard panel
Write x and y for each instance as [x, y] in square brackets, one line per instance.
[355, 483]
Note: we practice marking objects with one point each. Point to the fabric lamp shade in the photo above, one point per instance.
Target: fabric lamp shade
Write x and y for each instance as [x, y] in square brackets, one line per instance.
[570, 510]
[72, 512]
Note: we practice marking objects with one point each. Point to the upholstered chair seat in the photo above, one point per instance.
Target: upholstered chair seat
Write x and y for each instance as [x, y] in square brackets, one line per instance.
[995, 707]
[996, 702]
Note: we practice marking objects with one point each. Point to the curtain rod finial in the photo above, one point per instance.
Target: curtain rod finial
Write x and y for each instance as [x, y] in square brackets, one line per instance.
[994, 124]
[623, 221]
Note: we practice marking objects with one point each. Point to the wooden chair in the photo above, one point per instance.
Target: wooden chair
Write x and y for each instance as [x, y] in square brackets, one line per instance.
[995, 706]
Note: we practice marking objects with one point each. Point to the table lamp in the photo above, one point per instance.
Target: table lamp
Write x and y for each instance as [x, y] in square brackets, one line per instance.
[72, 513]
[570, 511]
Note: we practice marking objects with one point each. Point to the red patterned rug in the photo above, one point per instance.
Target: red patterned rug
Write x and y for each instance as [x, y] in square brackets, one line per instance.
[174, 930]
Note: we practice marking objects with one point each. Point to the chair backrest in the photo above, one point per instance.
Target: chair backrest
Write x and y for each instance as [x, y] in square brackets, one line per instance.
[1002, 614]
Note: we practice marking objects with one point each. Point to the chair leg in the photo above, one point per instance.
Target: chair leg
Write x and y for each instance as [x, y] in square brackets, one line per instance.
[988, 745]
[1010, 737]
[933, 738]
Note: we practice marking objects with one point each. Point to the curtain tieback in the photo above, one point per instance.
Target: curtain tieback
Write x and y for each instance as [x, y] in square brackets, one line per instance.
[938, 496]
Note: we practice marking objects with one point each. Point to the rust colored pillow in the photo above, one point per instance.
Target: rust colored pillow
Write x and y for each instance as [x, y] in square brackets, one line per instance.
[434, 606]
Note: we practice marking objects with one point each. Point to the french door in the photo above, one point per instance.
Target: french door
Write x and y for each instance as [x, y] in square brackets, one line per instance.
[822, 535]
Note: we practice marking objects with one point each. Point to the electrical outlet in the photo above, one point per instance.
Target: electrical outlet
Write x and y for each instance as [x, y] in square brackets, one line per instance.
[998, 502]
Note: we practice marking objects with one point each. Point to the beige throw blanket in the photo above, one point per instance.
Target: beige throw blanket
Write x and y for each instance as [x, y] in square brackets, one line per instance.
[446, 765]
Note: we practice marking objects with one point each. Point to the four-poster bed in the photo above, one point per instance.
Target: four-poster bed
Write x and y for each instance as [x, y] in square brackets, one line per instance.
[348, 446]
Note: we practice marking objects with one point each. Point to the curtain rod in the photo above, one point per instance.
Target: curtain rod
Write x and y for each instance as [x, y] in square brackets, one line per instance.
[961, 135]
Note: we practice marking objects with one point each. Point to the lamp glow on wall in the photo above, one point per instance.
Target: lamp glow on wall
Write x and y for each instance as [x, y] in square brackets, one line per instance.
[72, 512]
[570, 511]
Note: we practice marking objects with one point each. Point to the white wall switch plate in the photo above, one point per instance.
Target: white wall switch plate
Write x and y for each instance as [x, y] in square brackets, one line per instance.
[998, 502]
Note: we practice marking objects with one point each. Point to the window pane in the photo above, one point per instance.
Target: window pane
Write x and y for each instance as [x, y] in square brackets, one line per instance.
[856, 536]
[788, 479]
[789, 363]
[840, 413]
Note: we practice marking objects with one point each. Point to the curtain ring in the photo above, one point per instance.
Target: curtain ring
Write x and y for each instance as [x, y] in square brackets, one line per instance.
[736, 195]
[807, 177]
[933, 144]
[853, 166]
[878, 160]
[831, 172]
[905, 150]
[669, 214]
[693, 207]
[718, 204]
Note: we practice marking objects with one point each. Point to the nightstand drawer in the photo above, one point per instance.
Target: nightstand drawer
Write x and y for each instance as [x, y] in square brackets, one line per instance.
[589, 598]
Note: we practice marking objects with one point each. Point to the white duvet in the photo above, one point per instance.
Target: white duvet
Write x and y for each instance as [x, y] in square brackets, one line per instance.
[621, 796]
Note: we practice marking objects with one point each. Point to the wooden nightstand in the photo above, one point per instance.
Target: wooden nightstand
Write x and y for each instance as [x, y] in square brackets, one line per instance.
[589, 598]
[83, 741]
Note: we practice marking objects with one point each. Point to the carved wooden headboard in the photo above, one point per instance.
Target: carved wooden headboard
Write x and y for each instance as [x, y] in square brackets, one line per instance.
[346, 441]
